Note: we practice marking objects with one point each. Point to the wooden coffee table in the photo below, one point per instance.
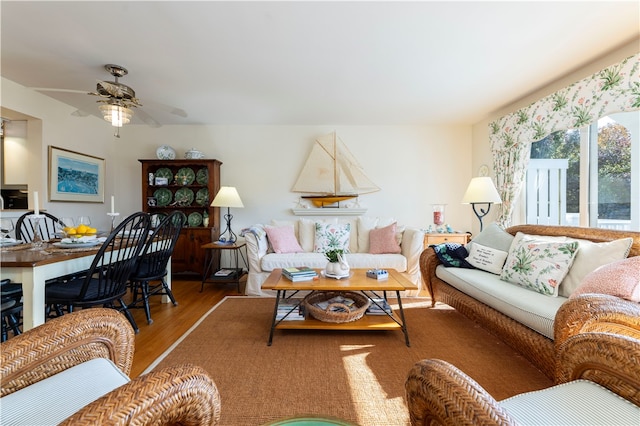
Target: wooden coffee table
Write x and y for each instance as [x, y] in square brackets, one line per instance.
[358, 282]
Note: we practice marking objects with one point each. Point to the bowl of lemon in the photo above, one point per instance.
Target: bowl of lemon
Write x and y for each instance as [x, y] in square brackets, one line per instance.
[79, 231]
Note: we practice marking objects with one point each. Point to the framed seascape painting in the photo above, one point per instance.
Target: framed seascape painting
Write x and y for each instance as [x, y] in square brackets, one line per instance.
[75, 177]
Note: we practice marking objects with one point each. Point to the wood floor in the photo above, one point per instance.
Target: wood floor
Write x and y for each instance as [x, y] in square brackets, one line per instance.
[170, 322]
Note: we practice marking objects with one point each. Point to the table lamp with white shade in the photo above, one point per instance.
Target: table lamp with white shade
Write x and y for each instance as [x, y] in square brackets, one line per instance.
[227, 197]
[481, 190]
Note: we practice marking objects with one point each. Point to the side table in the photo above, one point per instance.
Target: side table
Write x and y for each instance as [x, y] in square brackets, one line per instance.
[438, 238]
[234, 271]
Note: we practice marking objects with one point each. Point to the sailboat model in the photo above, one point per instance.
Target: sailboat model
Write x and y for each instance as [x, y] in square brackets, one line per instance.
[332, 174]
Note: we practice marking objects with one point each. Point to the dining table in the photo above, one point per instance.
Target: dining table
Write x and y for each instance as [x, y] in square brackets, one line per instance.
[34, 266]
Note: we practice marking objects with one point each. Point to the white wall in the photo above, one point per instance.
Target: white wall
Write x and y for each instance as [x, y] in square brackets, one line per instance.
[481, 153]
[415, 166]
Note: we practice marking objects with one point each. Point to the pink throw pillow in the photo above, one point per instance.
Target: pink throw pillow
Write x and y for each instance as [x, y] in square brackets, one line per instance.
[620, 279]
[383, 240]
[283, 239]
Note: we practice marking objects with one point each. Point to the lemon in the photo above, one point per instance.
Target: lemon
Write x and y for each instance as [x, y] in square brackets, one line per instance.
[82, 229]
[92, 231]
[70, 231]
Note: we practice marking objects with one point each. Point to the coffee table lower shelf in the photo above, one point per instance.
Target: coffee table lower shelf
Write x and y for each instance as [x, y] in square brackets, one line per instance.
[367, 322]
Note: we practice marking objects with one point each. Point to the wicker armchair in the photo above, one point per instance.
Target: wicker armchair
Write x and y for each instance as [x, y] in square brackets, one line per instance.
[608, 354]
[182, 394]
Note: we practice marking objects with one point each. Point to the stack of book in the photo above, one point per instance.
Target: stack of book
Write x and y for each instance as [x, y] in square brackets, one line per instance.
[299, 273]
[292, 309]
[380, 307]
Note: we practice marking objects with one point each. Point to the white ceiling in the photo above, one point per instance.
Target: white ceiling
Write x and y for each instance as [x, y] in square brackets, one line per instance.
[338, 63]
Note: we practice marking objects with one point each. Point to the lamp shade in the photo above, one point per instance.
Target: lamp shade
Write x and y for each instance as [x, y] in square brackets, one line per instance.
[227, 197]
[481, 190]
[117, 115]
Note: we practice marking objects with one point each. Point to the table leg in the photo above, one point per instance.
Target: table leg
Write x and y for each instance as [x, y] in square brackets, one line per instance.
[273, 320]
[207, 269]
[404, 322]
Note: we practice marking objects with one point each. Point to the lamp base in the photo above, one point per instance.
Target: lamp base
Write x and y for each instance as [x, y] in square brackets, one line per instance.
[482, 212]
[227, 236]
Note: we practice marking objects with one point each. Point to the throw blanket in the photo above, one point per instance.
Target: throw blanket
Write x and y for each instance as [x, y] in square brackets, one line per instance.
[452, 255]
[260, 234]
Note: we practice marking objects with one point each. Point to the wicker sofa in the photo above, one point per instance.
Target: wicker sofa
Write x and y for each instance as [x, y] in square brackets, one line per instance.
[73, 370]
[438, 393]
[262, 259]
[538, 348]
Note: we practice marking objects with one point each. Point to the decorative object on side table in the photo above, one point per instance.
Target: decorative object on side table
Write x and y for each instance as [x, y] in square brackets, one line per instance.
[193, 154]
[378, 274]
[481, 190]
[227, 197]
[438, 214]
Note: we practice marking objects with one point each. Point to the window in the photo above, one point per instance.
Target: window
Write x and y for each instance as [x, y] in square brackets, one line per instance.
[601, 184]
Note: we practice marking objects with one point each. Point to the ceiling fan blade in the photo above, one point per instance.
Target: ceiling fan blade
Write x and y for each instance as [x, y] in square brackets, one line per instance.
[49, 89]
[80, 113]
[168, 108]
[146, 118]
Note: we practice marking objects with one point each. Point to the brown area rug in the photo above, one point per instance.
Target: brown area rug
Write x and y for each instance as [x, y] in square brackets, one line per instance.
[357, 376]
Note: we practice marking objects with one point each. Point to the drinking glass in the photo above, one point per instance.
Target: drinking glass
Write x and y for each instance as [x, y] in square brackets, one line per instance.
[6, 226]
[68, 222]
[64, 222]
[84, 220]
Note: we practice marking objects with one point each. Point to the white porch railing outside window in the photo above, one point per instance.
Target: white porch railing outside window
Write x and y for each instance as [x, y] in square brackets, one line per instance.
[546, 192]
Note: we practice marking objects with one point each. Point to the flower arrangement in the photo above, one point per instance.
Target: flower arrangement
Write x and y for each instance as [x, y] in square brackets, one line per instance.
[333, 254]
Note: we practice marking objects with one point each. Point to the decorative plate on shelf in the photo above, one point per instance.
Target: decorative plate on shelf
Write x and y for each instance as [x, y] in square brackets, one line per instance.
[183, 197]
[165, 152]
[202, 196]
[194, 219]
[163, 196]
[179, 217]
[185, 176]
[202, 177]
[165, 172]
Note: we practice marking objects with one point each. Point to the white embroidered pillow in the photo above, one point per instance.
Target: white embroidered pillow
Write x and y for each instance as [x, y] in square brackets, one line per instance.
[487, 258]
[539, 266]
[330, 236]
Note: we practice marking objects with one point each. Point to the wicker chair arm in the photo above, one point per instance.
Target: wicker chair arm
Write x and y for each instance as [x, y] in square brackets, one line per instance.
[596, 312]
[63, 343]
[428, 263]
[610, 360]
[183, 394]
[440, 394]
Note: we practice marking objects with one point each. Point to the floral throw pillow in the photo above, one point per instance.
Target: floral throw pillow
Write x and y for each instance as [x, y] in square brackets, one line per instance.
[539, 266]
[331, 236]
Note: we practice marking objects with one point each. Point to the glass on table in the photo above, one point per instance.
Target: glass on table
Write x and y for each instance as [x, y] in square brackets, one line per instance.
[84, 220]
[6, 227]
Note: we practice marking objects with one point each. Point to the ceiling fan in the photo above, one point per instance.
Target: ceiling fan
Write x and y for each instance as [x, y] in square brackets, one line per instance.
[117, 101]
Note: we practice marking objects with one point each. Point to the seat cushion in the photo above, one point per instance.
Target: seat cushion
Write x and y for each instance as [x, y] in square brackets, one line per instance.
[52, 400]
[579, 402]
[528, 307]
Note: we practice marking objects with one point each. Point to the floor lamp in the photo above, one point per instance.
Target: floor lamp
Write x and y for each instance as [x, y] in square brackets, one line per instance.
[227, 197]
[481, 190]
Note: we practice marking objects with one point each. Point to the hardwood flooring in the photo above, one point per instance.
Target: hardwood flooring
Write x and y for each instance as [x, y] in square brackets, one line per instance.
[170, 322]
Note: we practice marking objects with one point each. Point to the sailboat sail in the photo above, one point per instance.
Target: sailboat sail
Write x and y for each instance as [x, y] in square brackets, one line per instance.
[332, 173]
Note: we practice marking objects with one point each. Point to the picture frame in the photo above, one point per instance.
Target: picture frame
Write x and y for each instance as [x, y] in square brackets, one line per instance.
[75, 177]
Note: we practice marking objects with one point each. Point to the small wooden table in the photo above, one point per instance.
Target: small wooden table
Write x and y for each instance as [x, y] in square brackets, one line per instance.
[237, 272]
[434, 238]
[357, 282]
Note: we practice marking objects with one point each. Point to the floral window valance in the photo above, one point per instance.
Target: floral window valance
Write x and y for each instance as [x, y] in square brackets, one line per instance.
[613, 89]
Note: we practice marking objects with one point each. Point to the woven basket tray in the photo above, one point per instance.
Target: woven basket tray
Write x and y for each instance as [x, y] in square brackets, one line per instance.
[361, 302]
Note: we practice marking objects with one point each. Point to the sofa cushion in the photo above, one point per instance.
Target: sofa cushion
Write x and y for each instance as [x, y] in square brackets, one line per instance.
[580, 402]
[282, 239]
[383, 240]
[620, 279]
[307, 232]
[530, 308]
[273, 261]
[487, 258]
[536, 265]
[365, 225]
[55, 398]
[591, 256]
[330, 236]
[493, 236]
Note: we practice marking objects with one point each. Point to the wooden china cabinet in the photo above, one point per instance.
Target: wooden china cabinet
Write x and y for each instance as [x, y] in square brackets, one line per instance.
[187, 186]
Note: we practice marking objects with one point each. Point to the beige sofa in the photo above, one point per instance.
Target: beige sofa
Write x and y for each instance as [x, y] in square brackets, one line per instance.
[263, 260]
[537, 325]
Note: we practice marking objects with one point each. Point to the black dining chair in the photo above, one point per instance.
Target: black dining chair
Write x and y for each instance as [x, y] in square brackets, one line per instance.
[105, 282]
[25, 227]
[152, 264]
[10, 308]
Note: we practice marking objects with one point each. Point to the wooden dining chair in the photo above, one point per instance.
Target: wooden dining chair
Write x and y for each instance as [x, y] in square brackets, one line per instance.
[25, 229]
[152, 264]
[105, 282]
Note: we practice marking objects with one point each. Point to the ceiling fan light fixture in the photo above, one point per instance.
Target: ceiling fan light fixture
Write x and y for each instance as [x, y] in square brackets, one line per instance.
[115, 114]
